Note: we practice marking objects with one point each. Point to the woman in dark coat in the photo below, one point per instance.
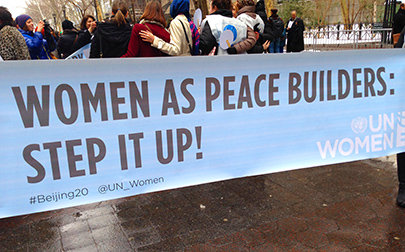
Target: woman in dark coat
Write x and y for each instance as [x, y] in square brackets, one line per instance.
[71, 39]
[111, 38]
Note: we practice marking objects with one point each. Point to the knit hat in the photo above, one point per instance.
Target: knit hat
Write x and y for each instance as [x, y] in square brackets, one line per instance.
[21, 20]
[66, 24]
[243, 3]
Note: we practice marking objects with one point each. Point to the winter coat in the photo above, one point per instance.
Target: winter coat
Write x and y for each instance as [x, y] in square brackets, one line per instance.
[246, 15]
[72, 40]
[211, 30]
[139, 48]
[399, 21]
[295, 36]
[260, 10]
[178, 45]
[37, 45]
[110, 41]
[12, 44]
[400, 43]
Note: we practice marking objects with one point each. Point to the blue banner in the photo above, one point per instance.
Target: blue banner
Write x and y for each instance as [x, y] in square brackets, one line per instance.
[77, 132]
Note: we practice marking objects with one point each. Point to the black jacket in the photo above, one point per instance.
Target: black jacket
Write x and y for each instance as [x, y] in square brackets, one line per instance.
[110, 40]
[72, 40]
[260, 9]
[399, 21]
[295, 36]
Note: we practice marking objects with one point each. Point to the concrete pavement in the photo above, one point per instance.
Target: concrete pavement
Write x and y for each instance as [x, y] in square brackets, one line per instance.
[342, 207]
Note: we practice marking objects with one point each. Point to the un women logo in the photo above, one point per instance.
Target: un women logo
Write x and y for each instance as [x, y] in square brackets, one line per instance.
[401, 119]
[359, 124]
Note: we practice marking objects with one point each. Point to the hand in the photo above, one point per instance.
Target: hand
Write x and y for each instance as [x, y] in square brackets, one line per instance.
[92, 26]
[40, 26]
[231, 50]
[147, 36]
[266, 45]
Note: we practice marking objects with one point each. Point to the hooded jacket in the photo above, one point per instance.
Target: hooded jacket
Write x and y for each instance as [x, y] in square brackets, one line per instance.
[36, 44]
[110, 40]
[248, 16]
[213, 26]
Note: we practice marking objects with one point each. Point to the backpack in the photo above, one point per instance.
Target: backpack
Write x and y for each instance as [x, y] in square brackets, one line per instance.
[277, 26]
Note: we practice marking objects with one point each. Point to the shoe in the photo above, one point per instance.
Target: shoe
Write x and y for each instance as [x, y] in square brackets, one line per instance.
[401, 195]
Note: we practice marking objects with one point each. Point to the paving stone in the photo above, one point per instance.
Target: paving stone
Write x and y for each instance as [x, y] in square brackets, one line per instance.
[73, 241]
[344, 239]
[114, 245]
[312, 239]
[174, 244]
[103, 221]
[341, 207]
[293, 225]
[88, 248]
[144, 238]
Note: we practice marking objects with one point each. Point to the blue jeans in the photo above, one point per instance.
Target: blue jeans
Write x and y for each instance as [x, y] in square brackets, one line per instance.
[275, 46]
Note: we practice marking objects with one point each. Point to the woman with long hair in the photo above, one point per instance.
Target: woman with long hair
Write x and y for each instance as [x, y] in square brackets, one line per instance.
[111, 38]
[12, 43]
[152, 20]
[183, 40]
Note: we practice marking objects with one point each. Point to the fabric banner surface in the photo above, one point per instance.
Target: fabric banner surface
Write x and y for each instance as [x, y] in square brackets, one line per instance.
[82, 53]
[84, 131]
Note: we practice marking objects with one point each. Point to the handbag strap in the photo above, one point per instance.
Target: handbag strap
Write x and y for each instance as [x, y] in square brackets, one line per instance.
[188, 41]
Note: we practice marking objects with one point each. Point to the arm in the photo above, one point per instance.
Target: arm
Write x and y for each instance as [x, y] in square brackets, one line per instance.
[176, 36]
[248, 43]
[34, 43]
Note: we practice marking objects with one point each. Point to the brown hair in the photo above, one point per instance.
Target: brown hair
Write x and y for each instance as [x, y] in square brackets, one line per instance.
[120, 10]
[84, 21]
[153, 11]
[222, 4]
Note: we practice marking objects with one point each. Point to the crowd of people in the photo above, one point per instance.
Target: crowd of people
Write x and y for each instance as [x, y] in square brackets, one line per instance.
[253, 32]
[246, 20]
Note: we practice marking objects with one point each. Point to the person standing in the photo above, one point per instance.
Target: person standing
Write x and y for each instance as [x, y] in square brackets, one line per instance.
[399, 22]
[37, 45]
[277, 26]
[214, 24]
[111, 38]
[12, 43]
[246, 14]
[181, 36]
[295, 33]
[152, 20]
[71, 39]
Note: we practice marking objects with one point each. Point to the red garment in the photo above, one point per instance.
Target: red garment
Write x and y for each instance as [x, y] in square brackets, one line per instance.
[138, 48]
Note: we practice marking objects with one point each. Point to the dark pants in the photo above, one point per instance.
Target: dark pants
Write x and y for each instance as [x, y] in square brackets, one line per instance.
[401, 167]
